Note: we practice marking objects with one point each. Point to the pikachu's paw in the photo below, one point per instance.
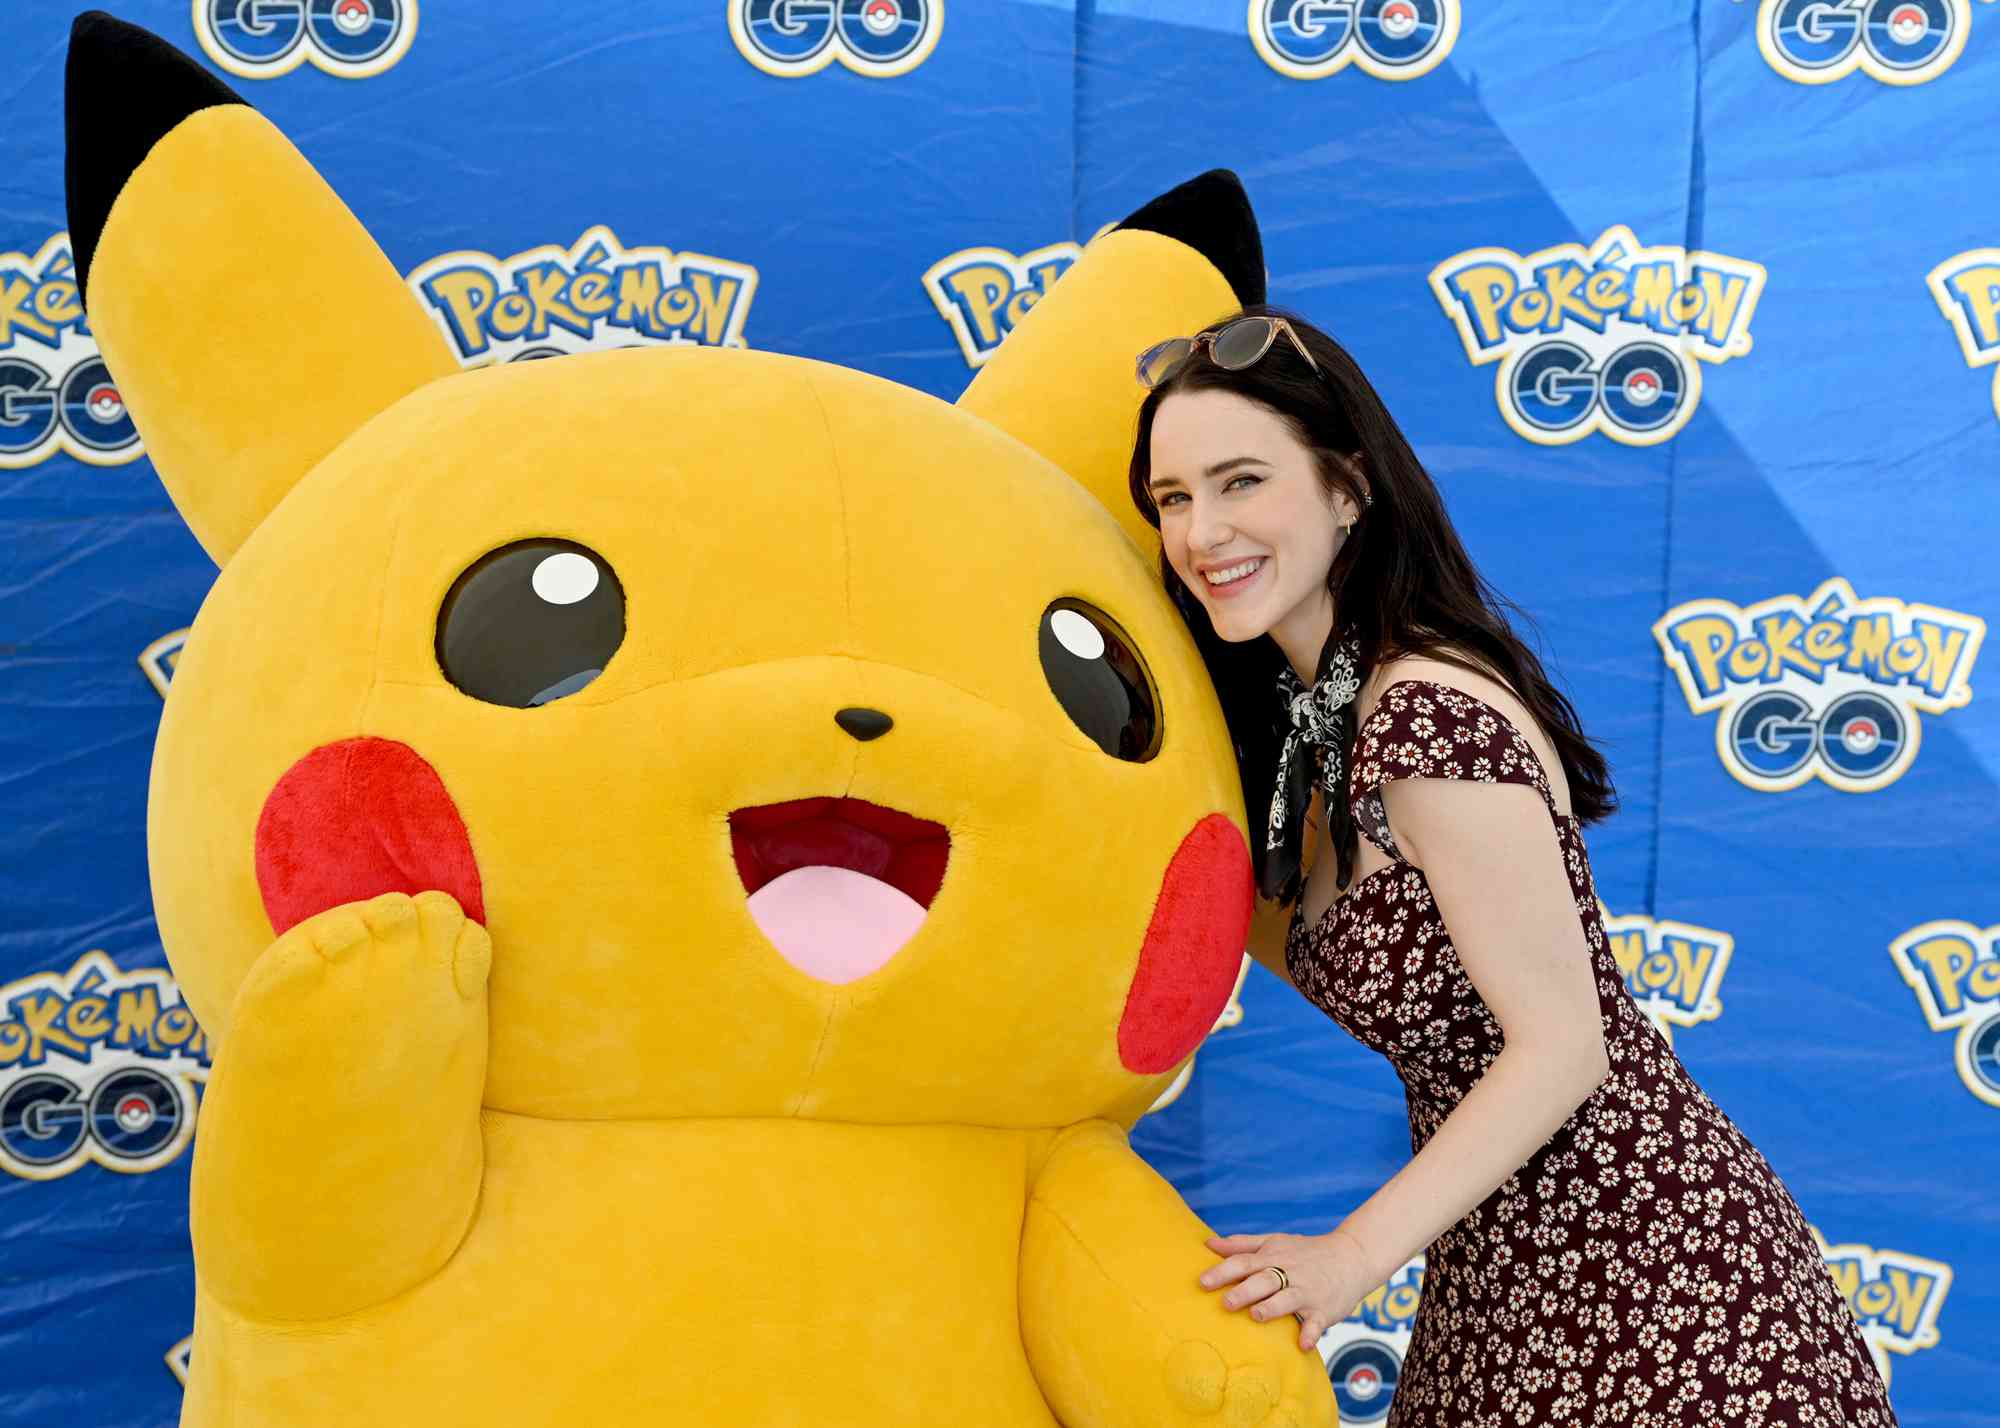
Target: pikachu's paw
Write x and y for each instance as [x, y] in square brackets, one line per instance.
[1286, 1389]
[356, 972]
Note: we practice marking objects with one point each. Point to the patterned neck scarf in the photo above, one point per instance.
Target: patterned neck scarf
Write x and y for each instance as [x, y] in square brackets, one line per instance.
[1314, 740]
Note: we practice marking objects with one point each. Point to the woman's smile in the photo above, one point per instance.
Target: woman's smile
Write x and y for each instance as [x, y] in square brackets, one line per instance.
[1230, 581]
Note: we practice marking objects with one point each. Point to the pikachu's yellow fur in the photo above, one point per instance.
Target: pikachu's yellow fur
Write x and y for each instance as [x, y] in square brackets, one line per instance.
[608, 1158]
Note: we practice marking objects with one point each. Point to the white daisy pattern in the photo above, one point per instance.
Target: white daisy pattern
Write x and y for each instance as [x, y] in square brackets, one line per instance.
[1645, 1268]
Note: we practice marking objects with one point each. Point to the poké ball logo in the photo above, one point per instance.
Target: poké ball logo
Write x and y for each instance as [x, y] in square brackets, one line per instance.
[1967, 289]
[97, 1064]
[1895, 1297]
[1389, 39]
[1232, 1015]
[55, 393]
[1954, 970]
[875, 38]
[592, 295]
[1599, 338]
[264, 39]
[1672, 969]
[1364, 1352]
[1827, 686]
[1894, 41]
[982, 293]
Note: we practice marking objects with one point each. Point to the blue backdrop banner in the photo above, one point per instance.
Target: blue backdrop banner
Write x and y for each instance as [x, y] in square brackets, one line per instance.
[1704, 294]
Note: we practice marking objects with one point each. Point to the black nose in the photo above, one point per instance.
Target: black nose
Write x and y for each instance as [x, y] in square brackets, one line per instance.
[864, 724]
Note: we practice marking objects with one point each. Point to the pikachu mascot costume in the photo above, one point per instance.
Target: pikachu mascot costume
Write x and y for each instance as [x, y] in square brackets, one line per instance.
[686, 906]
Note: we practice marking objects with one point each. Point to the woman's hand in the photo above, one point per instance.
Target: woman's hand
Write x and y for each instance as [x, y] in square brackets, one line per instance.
[1327, 1275]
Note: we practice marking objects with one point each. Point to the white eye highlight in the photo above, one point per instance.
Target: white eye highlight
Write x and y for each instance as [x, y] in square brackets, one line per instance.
[1077, 635]
[565, 578]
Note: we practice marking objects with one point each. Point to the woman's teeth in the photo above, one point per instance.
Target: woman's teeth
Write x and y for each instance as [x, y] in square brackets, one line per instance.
[1234, 573]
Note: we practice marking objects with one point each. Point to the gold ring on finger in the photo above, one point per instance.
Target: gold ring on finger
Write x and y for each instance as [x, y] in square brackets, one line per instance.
[1284, 1282]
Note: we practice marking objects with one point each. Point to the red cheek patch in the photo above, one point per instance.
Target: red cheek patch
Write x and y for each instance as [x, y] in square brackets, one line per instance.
[1192, 951]
[357, 818]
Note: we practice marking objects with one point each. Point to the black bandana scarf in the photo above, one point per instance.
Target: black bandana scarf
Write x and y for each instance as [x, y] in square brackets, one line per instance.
[1313, 742]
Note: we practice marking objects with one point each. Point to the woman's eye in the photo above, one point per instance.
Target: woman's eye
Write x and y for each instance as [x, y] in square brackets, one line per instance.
[531, 622]
[1253, 480]
[1096, 674]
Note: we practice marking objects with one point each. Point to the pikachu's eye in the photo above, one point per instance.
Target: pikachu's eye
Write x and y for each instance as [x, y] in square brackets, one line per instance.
[530, 622]
[1095, 671]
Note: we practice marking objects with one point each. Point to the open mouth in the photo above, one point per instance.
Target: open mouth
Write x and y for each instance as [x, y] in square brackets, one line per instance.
[838, 885]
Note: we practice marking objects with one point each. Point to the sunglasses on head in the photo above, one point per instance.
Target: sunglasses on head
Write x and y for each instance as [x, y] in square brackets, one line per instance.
[1233, 346]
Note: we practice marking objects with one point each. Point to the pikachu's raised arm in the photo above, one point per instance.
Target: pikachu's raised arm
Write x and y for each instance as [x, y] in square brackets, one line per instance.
[249, 320]
[1064, 381]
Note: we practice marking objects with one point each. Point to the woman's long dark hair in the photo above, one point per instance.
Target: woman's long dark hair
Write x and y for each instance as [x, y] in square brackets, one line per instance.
[1402, 583]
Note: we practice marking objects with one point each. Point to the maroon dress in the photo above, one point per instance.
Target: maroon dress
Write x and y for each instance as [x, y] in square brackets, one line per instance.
[1645, 1268]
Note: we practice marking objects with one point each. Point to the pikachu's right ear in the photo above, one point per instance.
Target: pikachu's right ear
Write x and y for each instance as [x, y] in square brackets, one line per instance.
[1065, 382]
[248, 320]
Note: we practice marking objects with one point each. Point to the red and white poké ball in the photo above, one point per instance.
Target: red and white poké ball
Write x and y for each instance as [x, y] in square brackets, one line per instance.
[1643, 387]
[1860, 735]
[1907, 24]
[353, 17]
[134, 1113]
[1399, 19]
[104, 404]
[881, 16]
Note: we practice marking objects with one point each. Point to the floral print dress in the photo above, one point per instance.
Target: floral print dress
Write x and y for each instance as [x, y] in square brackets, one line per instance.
[1645, 1268]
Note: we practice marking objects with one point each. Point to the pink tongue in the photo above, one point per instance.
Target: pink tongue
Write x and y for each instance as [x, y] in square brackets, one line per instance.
[834, 924]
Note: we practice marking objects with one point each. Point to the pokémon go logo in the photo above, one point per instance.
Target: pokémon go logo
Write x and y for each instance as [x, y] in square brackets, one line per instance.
[96, 1064]
[264, 39]
[1967, 289]
[592, 295]
[875, 38]
[983, 292]
[1894, 1297]
[1389, 39]
[1826, 687]
[1672, 969]
[1599, 338]
[1364, 1352]
[55, 393]
[1954, 970]
[1894, 41]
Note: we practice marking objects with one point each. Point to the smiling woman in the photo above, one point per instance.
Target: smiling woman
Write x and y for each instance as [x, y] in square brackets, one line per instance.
[1585, 1211]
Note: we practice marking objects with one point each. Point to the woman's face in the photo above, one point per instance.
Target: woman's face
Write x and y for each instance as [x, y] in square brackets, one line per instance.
[1244, 519]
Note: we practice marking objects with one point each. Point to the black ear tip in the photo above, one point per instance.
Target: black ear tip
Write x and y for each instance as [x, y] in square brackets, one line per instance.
[124, 90]
[93, 23]
[1211, 214]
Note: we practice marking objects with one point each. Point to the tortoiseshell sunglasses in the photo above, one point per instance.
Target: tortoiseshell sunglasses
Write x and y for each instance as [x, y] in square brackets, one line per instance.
[1232, 347]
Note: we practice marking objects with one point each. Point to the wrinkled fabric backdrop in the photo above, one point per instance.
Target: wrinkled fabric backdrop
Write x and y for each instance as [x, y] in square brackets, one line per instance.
[1688, 305]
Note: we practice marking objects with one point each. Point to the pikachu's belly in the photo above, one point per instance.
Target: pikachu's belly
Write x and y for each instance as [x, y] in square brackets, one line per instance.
[710, 1272]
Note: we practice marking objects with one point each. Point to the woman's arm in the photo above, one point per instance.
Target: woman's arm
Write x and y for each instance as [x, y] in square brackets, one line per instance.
[1269, 922]
[1496, 872]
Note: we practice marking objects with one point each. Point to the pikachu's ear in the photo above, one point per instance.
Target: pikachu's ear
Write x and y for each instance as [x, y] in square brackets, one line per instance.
[1064, 381]
[248, 319]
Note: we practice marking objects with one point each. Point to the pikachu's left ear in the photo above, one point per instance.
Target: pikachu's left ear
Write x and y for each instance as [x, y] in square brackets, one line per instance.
[250, 322]
[1065, 380]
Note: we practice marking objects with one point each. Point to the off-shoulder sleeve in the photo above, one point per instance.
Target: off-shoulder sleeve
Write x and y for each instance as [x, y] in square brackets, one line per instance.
[1422, 729]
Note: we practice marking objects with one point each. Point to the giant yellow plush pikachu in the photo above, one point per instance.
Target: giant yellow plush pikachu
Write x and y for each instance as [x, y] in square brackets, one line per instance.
[691, 859]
